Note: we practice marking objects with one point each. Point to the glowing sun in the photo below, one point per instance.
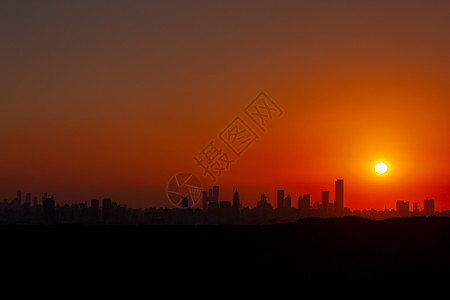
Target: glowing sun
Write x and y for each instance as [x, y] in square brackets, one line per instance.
[381, 168]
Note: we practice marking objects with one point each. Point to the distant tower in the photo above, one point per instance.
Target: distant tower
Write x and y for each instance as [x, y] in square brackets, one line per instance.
[263, 199]
[236, 203]
[19, 197]
[402, 208]
[339, 197]
[28, 198]
[325, 201]
[205, 200]
[304, 202]
[428, 207]
[185, 202]
[49, 209]
[106, 208]
[287, 202]
[280, 199]
[95, 209]
[215, 194]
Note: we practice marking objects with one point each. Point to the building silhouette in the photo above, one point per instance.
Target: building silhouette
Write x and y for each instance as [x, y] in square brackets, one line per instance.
[280, 199]
[215, 194]
[213, 212]
[185, 202]
[339, 197]
[205, 200]
[304, 203]
[236, 202]
[287, 202]
[48, 205]
[106, 208]
[428, 207]
[402, 208]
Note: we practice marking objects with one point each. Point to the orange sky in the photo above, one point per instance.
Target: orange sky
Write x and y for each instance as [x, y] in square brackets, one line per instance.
[111, 99]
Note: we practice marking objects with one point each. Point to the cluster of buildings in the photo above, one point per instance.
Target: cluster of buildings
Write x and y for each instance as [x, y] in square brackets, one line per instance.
[212, 211]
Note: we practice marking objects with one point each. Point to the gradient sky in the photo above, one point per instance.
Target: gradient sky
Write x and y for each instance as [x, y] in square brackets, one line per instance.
[113, 98]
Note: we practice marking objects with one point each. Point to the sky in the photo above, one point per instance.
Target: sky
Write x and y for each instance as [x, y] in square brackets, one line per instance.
[113, 98]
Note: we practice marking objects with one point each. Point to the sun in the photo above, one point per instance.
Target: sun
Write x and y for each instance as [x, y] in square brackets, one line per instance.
[381, 168]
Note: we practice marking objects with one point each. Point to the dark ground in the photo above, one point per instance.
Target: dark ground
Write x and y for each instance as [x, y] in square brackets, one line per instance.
[350, 249]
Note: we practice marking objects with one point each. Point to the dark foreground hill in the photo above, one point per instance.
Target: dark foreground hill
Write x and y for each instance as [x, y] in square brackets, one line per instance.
[346, 249]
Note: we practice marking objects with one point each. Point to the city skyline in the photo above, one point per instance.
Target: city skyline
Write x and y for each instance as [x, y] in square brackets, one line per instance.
[215, 210]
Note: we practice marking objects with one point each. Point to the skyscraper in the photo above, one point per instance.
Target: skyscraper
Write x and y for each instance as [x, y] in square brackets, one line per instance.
[28, 198]
[185, 202]
[19, 197]
[304, 202]
[205, 200]
[236, 203]
[106, 208]
[287, 202]
[280, 199]
[402, 208]
[339, 197]
[215, 194]
[428, 207]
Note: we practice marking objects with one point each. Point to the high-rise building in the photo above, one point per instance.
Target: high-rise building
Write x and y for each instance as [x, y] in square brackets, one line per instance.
[339, 197]
[325, 201]
[19, 197]
[280, 199]
[28, 198]
[106, 208]
[49, 209]
[185, 202]
[236, 202]
[215, 194]
[415, 207]
[287, 202]
[428, 207]
[205, 200]
[304, 202]
[95, 209]
[402, 208]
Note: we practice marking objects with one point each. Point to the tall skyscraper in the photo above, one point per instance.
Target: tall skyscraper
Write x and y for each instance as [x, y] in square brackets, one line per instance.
[185, 202]
[287, 202]
[280, 199]
[205, 200]
[339, 197]
[236, 203]
[215, 194]
[28, 198]
[304, 202]
[402, 208]
[325, 201]
[19, 197]
[106, 208]
[49, 209]
[95, 209]
[428, 207]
